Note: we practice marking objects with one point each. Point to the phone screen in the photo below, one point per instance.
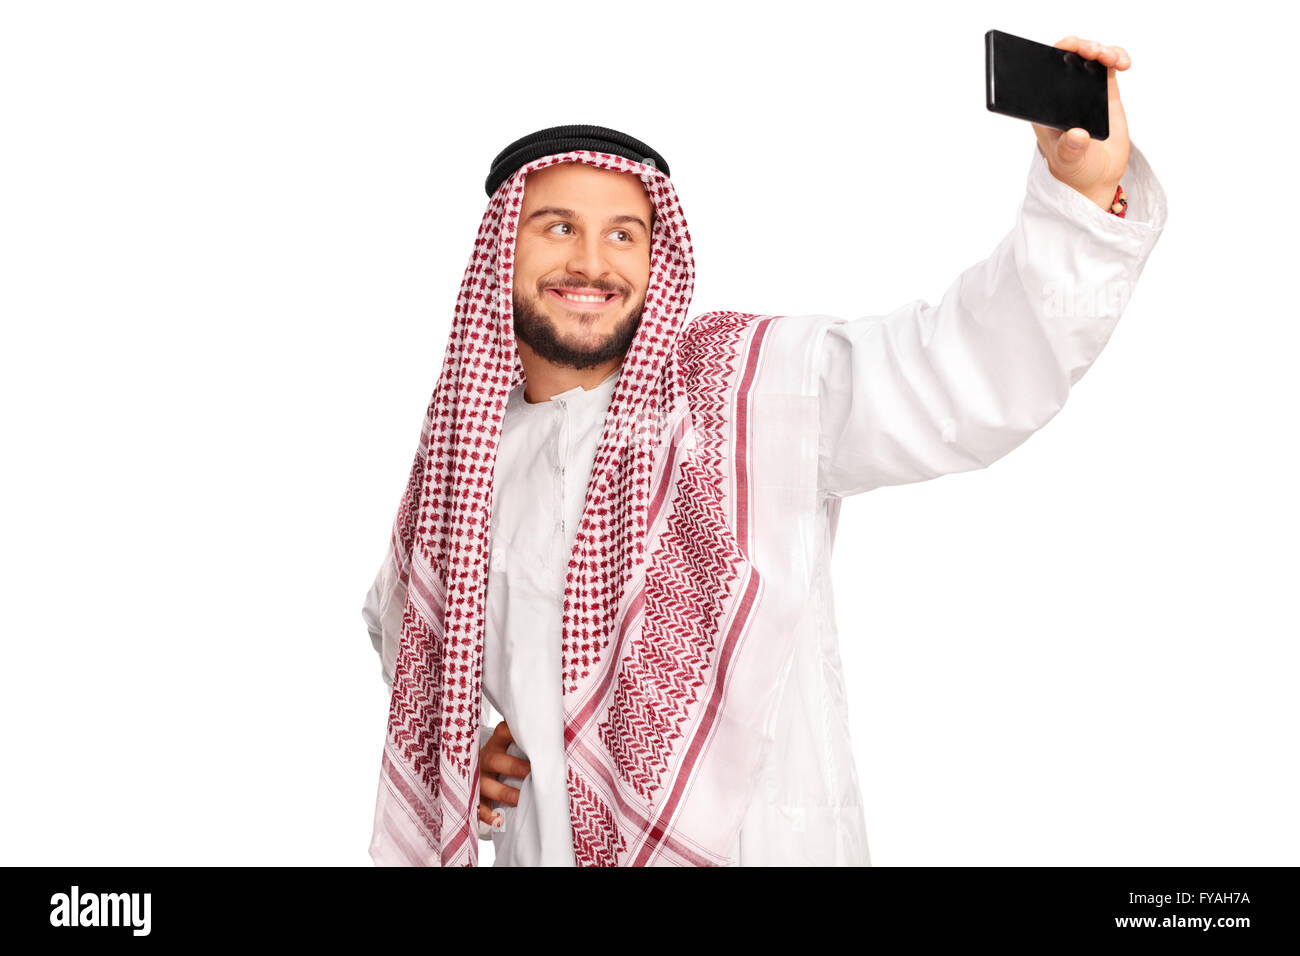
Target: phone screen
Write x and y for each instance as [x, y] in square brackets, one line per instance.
[1045, 85]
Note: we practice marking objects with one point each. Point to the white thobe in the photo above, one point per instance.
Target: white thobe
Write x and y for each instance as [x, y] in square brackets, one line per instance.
[544, 461]
[921, 392]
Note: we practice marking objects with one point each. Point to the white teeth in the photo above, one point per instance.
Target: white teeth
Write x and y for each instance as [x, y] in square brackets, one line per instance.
[583, 298]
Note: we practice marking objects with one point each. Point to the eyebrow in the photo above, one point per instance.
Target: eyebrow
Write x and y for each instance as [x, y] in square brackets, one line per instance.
[570, 214]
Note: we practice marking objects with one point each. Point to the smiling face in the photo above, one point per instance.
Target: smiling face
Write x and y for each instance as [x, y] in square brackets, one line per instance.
[582, 265]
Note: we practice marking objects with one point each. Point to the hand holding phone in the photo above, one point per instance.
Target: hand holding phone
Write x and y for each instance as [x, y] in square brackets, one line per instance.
[1070, 95]
[1045, 84]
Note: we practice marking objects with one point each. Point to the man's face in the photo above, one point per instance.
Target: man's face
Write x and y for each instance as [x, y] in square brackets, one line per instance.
[583, 231]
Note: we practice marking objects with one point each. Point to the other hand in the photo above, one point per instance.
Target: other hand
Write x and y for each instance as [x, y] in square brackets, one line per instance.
[1094, 166]
[493, 760]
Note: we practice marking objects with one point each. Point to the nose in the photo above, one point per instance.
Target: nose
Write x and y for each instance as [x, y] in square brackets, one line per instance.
[587, 258]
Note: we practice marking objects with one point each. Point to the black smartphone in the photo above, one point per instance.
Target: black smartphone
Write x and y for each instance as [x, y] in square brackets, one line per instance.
[1045, 85]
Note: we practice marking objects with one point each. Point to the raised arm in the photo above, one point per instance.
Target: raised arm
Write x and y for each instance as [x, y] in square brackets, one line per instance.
[933, 389]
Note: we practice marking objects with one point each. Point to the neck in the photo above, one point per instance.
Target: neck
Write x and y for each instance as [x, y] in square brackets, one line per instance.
[544, 379]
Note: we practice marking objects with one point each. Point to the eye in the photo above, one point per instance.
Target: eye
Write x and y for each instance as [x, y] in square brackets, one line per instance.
[628, 237]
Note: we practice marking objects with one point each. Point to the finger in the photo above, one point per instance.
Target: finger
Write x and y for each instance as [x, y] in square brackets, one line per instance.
[503, 763]
[1115, 57]
[1089, 49]
[491, 789]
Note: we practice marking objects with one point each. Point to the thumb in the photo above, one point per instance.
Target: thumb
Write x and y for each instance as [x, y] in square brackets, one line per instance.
[1072, 147]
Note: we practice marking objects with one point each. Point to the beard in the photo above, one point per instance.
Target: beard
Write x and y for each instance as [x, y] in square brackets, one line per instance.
[538, 331]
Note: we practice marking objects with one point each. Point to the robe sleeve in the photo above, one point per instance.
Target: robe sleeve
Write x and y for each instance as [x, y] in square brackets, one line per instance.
[382, 613]
[929, 390]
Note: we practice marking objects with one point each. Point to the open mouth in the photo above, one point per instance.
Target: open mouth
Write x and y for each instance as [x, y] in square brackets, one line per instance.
[582, 302]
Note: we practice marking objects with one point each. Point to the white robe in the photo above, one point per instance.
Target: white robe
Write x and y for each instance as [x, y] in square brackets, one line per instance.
[881, 400]
[544, 461]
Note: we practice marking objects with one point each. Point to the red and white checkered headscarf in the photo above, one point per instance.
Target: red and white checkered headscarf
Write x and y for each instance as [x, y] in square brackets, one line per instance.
[658, 591]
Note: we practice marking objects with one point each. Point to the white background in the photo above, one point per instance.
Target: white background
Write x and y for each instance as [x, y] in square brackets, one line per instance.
[231, 238]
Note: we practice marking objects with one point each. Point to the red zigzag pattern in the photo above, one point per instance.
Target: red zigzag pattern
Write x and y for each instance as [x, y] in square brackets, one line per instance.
[689, 577]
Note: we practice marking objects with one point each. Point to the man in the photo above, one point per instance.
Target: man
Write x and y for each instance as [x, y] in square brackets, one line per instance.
[618, 525]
